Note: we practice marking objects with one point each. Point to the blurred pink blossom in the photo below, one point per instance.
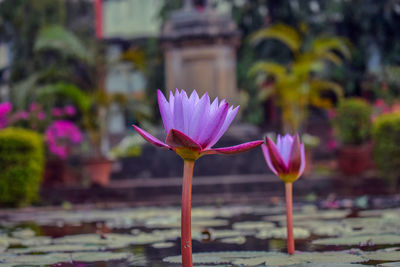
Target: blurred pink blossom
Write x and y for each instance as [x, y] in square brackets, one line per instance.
[59, 135]
[58, 112]
[34, 106]
[41, 115]
[21, 115]
[331, 113]
[5, 109]
[70, 110]
[332, 144]
[379, 103]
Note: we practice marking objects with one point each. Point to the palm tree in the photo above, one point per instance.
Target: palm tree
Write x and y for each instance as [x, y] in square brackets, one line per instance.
[299, 84]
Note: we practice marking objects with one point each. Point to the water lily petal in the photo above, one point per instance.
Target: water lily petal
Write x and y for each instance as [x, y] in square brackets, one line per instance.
[177, 139]
[165, 111]
[284, 146]
[303, 160]
[178, 112]
[214, 126]
[275, 157]
[233, 149]
[187, 112]
[268, 159]
[228, 120]
[148, 137]
[197, 120]
[295, 155]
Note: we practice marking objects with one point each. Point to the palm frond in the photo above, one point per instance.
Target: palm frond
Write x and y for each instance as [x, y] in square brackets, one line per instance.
[271, 68]
[323, 45]
[319, 86]
[280, 32]
[57, 38]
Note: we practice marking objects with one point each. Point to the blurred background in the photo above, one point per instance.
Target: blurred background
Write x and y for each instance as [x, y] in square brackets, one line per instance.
[76, 74]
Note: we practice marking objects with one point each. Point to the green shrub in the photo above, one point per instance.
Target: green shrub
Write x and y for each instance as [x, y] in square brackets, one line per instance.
[21, 166]
[353, 121]
[386, 137]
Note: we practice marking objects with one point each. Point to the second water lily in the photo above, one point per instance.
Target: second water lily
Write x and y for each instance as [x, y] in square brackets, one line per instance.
[287, 160]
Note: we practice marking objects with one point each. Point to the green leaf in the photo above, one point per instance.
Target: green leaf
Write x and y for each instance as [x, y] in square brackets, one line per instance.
[70, 91]
[281, 32]
[270, 68]
[57, 38]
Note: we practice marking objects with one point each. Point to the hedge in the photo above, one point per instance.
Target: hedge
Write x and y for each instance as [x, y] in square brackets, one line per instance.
[386, 138]
[21, 166]
[353, 121]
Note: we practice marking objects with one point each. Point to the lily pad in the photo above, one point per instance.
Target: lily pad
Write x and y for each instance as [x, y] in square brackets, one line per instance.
[163, 245]
[281, 233]
[386, 239]
[97, 256]
[281, 259]
[390, 264]
[234, 240]
[252, 225]
[217, 257]
[383, 255]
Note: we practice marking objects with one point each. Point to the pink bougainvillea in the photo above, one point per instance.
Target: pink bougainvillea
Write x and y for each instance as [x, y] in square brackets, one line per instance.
[70, 110]
[5, 109]
[60, 135]
[57, 112]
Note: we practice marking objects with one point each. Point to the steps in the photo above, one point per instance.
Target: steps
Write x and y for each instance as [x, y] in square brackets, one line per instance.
[211, 189]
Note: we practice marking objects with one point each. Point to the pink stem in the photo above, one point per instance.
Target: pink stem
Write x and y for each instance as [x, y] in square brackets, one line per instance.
[186, 235]
[289, 221]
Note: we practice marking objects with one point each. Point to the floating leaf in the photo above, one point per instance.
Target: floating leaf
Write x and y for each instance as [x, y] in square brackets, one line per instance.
[252, 225]
[383, 255]
[390, 264]
[234, 240]
[56, 248]
[217, 257]
[282, 259]
[163, 245]
[100, 256]
[281, 233]
[386, 239]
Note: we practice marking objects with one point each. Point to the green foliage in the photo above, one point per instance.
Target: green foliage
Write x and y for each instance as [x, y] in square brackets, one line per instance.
[353, 121]
[57, 38]
[20, 22]
[385, 134]
[296, 86]
[21, 166]
[64, 90]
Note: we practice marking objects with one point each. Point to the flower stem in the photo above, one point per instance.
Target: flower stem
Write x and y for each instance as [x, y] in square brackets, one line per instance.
[186, 235]
[289, 221]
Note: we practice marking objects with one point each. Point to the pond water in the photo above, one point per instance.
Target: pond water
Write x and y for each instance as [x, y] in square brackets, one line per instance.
[222, 236]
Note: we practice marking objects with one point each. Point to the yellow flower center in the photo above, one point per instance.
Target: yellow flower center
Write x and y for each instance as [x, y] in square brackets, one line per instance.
[188, 154]
[289, 177]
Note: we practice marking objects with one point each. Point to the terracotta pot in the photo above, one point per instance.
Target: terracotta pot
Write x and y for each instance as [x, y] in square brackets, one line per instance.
[98, 170]
[353, 160]
[58, 173]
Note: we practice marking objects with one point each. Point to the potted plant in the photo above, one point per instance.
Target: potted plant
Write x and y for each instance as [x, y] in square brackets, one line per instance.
[97, 163]
[386, 149]
[299, 84]
[352, 125]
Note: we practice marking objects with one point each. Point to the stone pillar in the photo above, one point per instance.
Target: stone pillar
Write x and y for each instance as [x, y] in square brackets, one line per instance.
[200, 52]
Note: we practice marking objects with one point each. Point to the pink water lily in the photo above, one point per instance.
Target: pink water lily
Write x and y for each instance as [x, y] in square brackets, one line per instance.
[287, 160]
[193, 125]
